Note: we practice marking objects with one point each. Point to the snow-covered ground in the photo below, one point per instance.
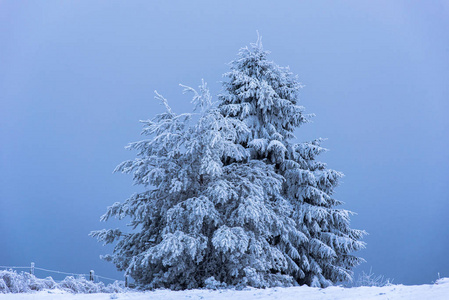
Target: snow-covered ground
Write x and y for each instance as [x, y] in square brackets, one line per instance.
[437, 291]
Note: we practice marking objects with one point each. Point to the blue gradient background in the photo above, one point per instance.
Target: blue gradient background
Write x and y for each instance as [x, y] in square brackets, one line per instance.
[76, 76]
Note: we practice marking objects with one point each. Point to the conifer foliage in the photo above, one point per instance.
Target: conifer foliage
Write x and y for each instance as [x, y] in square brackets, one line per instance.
[229, 200]
[265, 97]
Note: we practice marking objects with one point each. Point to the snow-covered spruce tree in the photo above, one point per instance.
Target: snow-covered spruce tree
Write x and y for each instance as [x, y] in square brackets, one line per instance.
[265, 97]
[210, 214]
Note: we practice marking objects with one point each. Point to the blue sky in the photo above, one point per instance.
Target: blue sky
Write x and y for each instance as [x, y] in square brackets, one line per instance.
[76, 76]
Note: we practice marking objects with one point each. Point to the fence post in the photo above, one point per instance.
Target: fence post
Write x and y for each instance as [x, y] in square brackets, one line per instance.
[32, 268]
[91, 276]
[126, 280]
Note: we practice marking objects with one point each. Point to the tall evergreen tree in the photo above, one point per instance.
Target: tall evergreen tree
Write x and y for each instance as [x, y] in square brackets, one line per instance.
[265, 97]
[229, 199]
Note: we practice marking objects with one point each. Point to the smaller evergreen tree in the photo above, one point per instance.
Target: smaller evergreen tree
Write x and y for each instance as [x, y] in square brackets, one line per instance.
[210, 213]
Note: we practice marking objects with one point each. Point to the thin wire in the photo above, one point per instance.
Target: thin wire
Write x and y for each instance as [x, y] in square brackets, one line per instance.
[6, 267]
[107, 278]
[59, 272]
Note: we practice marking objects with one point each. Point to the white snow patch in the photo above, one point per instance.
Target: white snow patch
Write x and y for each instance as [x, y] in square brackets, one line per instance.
[437, 291]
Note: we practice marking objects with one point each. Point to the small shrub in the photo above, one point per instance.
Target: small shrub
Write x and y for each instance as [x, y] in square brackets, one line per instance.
[370, 279]
[80, 285]
[13, 282]
[213, 284]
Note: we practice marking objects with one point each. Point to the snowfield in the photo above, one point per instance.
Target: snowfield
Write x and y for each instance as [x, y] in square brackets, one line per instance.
[437, 291]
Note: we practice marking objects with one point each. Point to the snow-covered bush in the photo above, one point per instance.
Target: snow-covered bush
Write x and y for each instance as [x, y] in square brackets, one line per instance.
[13, 282]
[84, 286]
[211, 283]
[80, 285]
